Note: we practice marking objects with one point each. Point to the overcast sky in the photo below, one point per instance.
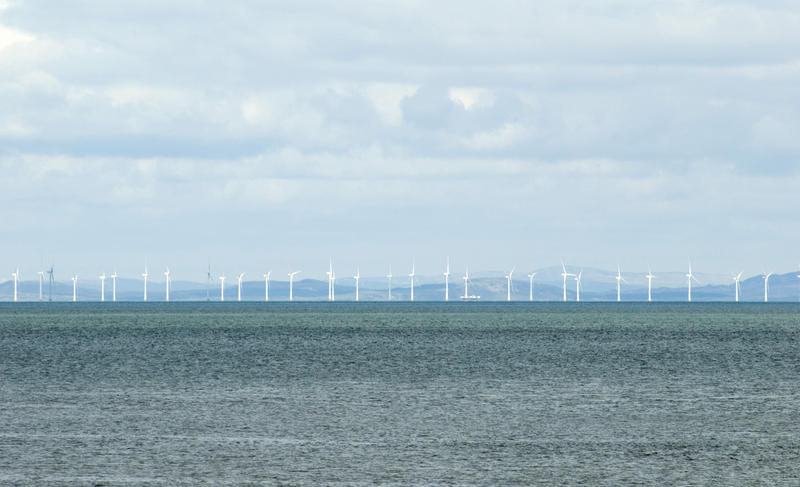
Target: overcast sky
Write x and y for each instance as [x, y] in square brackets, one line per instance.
[266, 135]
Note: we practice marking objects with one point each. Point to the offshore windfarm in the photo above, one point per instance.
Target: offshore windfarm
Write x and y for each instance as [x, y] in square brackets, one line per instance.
[557, 283]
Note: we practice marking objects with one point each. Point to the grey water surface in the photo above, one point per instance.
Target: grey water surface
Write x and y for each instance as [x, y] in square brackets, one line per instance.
[399, 394]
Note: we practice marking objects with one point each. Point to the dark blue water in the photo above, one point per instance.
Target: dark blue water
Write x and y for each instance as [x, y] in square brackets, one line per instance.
[399, 394]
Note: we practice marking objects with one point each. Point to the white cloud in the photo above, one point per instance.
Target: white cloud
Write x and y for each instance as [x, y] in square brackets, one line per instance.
[9, 37]
[517, 116]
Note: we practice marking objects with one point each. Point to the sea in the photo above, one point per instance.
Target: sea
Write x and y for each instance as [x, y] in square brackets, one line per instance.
[399, 394]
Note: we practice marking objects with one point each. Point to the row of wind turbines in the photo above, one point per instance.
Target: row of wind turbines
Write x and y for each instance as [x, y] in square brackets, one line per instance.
[331, 274]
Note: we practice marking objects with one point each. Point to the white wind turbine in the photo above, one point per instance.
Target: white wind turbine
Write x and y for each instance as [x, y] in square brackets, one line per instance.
[239, 285]
[578, 286]
[357, 277]
[41, 279]
[447, 281]
[333, 284]
[102, 287]
[330, 274]
[508, 287]
[737, 284]
[565, 275]
[689, 278]
[389, 275]
[15, 275]
[291, 284]
[166, 280]
[649, 277]
[222, 288]
[145, 282]
[766, 285]
[74, 288]
[114, 286]
[620, 280]
[266, 286]
[466, 284]
[413, 273]
[530, 289]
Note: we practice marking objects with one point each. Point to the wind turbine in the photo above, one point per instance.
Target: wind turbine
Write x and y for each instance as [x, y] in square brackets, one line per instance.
[389, 275]
[466, 284]
[266, 286]
[530, 292]
[114, 286]
[736, 282]
[329, 274]
[239, 284]
[41, 278]
[689, 278]
[649, 277]
[74, 288]
[145, 282]
[508, 279]
[565, 275]
[333, 284]
[15, 275]
[413, 273]
[102, 287]
[357, 277]
[619, 281]
[166, 276]
[222, 288]
[291, 283]
[447, 281]
[578, 286]
[50, 284]
[766, 285]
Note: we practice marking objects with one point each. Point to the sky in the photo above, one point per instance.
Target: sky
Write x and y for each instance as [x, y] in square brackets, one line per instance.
[258, 136]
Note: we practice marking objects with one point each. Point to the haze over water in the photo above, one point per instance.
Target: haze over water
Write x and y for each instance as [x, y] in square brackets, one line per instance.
[400, 393]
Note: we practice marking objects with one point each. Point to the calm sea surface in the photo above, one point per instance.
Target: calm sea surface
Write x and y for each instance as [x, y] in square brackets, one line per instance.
[399, 394]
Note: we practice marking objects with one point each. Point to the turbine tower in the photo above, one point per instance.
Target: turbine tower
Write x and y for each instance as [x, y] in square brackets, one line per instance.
[357, 277]
[389, 275]
[15, 275]
[530, 289]
[413, 273]
[50, 284]
[102, 287]
[114, 286]
[222, 288]
[74, 288]
[447, 281]
[565, 275]
[166, 280]
[508, 279]
[466, 284]
[239, 284]
[649, 277]
[333, 284]
[620, 280]
[145, 282]
[266, 286]
[329, 274]
[41, 278]
[766, 285]
[689, 278]
[578, 286]
[737, 284]
[291, 284]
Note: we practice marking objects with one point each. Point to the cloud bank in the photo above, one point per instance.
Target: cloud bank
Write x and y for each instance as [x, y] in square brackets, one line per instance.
[513, 134]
